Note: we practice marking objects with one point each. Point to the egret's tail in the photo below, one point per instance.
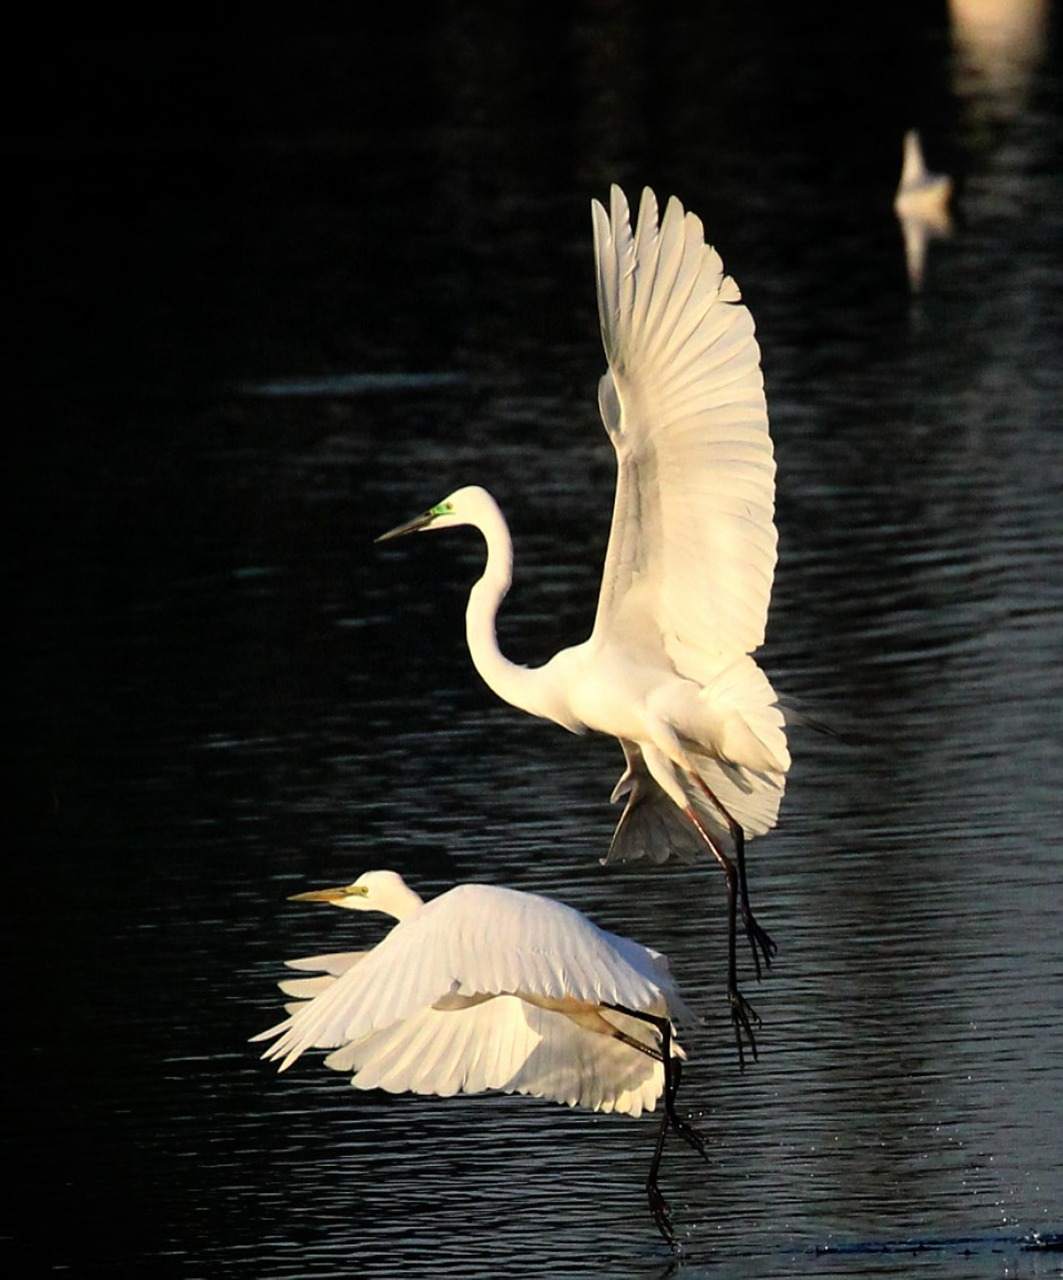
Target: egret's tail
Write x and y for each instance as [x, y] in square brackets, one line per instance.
[752, 799]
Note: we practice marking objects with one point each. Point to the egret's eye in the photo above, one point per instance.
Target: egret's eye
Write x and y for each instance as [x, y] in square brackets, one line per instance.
[443, 509]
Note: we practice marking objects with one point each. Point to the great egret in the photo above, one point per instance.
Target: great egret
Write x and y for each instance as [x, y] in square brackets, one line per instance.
[688, 571]
[489, 988]
[921, 204]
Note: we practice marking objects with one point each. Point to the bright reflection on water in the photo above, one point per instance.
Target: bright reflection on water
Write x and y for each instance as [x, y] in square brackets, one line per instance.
[228, 694]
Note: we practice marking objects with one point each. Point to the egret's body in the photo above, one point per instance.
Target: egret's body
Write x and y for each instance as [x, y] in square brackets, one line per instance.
[688, 572]
[485, 988]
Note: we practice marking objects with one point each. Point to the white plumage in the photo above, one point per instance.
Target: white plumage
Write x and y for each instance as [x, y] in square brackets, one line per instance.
[921, 203]
[683, 402]
[483, 988]
[688, 572]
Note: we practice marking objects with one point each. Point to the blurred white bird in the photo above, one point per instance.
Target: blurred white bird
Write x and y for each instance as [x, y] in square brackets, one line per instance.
[489, 988]
[688, 572]
[922, 207]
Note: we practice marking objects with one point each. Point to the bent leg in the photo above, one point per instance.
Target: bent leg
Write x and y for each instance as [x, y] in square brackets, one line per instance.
[662, 1215]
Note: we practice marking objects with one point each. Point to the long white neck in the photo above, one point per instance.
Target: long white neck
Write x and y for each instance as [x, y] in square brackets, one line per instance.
[402, 901]
[520, 686]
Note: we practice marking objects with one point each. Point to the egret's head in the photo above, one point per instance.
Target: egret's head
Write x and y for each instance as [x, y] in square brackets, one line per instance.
[463, 506]
[384, 891]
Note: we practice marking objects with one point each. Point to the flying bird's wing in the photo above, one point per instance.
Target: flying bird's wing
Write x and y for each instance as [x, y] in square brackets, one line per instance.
[692, 547]
[501, 940]
[504, 1043]
[475, 940]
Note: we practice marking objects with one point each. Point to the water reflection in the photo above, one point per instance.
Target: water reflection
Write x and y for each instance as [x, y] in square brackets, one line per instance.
[999, 45]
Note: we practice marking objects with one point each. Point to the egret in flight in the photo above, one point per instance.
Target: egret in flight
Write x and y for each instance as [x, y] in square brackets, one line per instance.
[488, 988]
[688, 571]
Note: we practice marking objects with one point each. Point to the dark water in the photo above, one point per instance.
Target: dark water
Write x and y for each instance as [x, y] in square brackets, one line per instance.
[286, 290]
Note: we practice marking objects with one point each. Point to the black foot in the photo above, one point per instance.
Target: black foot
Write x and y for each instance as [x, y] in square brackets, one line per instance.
[690, 1136]
[760, 942]
[744, 1018]
[662, 1215]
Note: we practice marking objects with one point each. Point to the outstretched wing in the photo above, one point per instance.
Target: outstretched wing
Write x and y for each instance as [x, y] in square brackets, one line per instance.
[504, 1043]
[693, 543]
[474, 940]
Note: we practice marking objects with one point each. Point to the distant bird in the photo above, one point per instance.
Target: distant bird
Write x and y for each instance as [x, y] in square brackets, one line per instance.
[489, 988]
[922, 206]
[688, 572]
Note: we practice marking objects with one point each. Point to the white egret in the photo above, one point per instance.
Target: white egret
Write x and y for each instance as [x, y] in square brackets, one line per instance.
[921, 204]
[489, 988]
[688, 571]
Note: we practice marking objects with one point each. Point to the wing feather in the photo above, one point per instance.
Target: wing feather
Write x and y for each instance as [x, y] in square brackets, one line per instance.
[507, 1045]
[693, 539]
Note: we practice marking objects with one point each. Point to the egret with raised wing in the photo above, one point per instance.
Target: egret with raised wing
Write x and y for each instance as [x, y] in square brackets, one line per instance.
[688, 571]
[488, 988]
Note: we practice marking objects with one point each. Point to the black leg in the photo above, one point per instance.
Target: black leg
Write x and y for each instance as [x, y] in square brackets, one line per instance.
[662, 1215]
[673, 1072]
[743, 1015]
[760, 941]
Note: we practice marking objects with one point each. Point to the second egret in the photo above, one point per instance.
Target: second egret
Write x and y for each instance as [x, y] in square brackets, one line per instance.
[489, 988]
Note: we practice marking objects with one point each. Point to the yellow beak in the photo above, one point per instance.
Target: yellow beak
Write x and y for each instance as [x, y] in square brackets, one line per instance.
[320, 895]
